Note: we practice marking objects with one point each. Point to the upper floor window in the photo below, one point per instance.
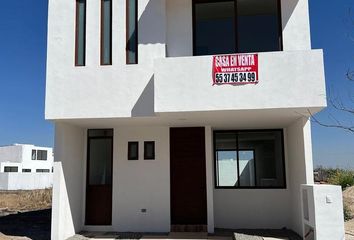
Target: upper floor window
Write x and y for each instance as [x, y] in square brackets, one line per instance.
[106, 32]
[80, 41]
[132, 32]
[41, 155]
[34, 154]
[236, 26]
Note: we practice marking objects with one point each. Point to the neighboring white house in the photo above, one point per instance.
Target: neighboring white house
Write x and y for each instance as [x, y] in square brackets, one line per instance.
[24, 166]
[161, 126]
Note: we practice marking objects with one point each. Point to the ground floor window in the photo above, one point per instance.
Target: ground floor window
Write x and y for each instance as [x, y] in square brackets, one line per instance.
[10, 169]
[249, 159]
[42, 170]
[26, 170]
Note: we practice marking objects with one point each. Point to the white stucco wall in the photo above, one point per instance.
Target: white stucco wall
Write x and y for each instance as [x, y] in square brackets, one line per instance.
[25, 181]
[165, 26]
[67, 205]
[141, 184]
[100, 91]
[286, 80]
[11, 153]
[301, 165]
[296, 25]
[325, 210]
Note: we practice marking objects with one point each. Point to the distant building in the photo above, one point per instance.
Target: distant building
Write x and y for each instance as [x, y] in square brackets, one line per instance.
[24, 167]
[26, 158]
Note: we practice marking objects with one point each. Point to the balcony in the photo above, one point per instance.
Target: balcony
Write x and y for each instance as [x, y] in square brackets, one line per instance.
[287, 80]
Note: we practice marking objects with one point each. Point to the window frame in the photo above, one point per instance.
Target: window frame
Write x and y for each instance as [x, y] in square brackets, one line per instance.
[108, 133]
[77, 25]
[127, 23]
[11, 168]
[153, 151]
[42, 170]
[102, 34]
[130, 144]
[41, 155]
[283, 186]
[280, 24]
[35, 155]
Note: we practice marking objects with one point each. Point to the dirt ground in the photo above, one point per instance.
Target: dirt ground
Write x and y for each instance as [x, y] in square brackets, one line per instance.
[25, 214]
[23, 201]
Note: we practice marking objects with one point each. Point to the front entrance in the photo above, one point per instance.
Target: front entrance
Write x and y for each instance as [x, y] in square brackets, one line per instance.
[188, 179]
[99, 177]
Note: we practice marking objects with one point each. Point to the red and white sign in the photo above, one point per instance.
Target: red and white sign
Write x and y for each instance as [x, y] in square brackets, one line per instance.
[235, 69]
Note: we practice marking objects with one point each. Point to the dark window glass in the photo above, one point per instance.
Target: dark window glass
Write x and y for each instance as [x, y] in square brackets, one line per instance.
[235, 26]
[42, 170]
[34, 154]
[100, 133]
[106, 32]
[42, 155]
[80, 32]
[258, 25]
[10, 169]
[26, 170]
[100, 157]
[214, 27]
[226, 159]
[132, 32]
[149, 150]
[133, 150]
[249, 159]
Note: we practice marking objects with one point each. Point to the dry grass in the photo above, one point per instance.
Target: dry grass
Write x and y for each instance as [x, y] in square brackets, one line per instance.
[26, 200]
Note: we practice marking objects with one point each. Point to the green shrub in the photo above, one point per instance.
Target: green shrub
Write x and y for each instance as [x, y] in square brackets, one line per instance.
[343, 178]
[347, 214]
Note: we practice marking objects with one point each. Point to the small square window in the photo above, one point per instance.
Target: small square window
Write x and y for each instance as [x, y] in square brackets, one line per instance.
[149, 150]
[133, 150]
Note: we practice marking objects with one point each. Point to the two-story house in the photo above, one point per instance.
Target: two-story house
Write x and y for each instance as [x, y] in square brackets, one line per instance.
[26, 158]
[26, 167]
[182, 115]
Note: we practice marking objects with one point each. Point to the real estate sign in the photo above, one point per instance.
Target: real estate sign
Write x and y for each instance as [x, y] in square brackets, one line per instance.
[235, 69]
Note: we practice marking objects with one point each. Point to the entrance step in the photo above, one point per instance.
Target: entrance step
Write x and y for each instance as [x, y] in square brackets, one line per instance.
[189, 228]
[188, 235]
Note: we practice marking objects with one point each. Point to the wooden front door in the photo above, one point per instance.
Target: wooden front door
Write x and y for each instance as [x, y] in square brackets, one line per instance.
[99, 177]
[188, 179]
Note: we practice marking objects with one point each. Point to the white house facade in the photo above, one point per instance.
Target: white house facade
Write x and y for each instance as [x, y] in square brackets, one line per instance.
[188, 115]
[25, 166]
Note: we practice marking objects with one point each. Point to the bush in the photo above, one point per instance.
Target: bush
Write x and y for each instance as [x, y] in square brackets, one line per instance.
[347, 214]
[343, 178]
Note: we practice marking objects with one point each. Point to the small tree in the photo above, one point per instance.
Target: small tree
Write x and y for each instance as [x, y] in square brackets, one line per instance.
[336, 103]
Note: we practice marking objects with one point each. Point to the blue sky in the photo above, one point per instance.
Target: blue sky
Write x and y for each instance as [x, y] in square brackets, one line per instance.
[23, 60]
